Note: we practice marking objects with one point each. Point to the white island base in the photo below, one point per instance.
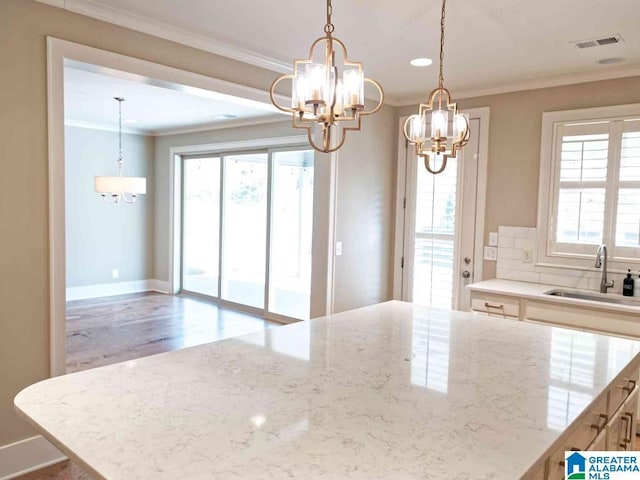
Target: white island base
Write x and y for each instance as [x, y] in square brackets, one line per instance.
[392, 391]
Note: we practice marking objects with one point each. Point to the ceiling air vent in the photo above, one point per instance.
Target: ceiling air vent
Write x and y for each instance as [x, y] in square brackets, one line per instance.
[598, 42]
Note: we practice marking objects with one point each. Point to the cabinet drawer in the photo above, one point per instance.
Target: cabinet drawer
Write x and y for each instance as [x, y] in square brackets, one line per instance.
[621, 390]
[538, 474]
[591, 425]
[591, 429]
[496, 305]
[583, 318]
[600, 442]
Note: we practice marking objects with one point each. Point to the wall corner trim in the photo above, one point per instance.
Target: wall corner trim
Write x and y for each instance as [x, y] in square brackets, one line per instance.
[26, 456]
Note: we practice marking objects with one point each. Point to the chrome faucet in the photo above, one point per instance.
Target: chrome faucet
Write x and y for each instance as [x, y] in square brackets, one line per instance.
[600, 253]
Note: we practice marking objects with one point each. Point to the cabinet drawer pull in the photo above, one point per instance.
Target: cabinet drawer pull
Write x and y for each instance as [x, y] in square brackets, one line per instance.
[500, 307]
[629, 388]
[573, 449]
[603, 418]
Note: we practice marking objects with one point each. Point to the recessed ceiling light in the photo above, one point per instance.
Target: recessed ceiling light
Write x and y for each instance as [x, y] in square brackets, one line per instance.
[610, 61]
[421, 62]
[130, 120]
[224, 116]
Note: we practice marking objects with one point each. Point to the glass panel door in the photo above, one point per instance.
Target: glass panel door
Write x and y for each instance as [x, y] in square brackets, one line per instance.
[247, 229]
[244, 229]
[435, 235]
[291, 227]
[201, 225]
[440, 228]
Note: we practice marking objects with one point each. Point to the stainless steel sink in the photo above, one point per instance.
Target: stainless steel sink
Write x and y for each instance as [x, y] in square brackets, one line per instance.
[594, 297]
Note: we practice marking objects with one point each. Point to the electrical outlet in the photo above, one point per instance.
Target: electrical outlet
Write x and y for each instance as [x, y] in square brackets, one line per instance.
[115, 273]
[338, 248]
[493, 239]
[491, 253]
[527, 255]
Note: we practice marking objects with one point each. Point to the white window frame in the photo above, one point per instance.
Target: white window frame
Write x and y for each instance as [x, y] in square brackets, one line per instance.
[549, 252]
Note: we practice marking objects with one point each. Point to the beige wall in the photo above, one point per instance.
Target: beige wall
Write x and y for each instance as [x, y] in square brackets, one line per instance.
[365, 206]
[514, 144]
[24, 317]
[24, 24]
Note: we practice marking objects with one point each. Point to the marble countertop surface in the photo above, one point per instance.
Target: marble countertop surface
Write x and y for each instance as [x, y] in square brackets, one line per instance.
[391, 391]
[536, 291]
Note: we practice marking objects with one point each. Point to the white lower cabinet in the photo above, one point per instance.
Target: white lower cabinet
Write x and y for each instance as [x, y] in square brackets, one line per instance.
[598, 430]
[496, 305]
[610, 423]
[604, 321]
[622, 427]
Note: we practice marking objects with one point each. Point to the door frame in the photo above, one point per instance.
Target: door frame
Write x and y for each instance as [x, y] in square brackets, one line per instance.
[266, 145]
[402, 213]
[59, 51]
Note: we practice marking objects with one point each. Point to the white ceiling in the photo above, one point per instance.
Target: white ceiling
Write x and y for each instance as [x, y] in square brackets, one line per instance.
[152, 109]
[491, 45]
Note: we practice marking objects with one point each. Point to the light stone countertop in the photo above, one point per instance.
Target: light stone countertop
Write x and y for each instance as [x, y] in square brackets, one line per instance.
[535, 291]
[392, 391]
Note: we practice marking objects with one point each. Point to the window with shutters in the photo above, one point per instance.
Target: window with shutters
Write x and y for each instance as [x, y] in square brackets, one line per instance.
[590, 185]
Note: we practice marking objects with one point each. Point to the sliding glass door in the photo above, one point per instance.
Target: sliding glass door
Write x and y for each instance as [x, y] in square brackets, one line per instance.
[247, 229]
[201, 200]
[291, 226]
[244, 231]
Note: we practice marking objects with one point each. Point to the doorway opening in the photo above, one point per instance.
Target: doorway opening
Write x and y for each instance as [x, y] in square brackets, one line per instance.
[247, 230]
[440, 226]
[153, 140]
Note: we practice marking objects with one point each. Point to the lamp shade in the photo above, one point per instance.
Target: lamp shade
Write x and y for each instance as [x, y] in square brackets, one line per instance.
[119, 185]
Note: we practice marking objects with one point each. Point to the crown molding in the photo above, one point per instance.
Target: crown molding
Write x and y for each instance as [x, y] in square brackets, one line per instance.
[533, 84]
[167, 31]
[70, 122]
[244, 122]
[53, 3]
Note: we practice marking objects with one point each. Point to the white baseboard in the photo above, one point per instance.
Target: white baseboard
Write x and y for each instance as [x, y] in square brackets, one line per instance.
[120, 288]
[160, 286]
[27, 456]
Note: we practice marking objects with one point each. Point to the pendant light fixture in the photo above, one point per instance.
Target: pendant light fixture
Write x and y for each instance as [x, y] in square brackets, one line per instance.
[428, 130]
[115, 189]
[323, 102]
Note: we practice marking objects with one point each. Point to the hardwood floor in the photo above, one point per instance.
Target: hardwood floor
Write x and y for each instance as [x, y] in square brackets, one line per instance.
[114, 329]
[108, 330]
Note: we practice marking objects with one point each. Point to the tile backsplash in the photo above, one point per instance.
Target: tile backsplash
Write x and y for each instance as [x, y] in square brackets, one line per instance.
[517, 256]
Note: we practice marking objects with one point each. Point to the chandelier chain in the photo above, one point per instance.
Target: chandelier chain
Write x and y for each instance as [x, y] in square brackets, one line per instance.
[329, 27]
[120, 100]
[441, 75]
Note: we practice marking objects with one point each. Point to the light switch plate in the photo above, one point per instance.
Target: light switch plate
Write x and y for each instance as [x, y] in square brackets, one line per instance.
[338, 248]
[491, 253]
[527, 255]
[493, 239]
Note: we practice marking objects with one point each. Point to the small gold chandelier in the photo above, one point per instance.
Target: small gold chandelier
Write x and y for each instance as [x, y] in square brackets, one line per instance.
[322, 103]
[442, 146]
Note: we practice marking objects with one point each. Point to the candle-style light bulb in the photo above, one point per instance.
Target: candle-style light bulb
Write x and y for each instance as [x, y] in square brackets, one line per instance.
[439, 123]
[353, 89]
[315, 74]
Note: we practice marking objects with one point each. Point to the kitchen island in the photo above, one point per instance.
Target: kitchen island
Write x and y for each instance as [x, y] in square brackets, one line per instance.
[391, 391]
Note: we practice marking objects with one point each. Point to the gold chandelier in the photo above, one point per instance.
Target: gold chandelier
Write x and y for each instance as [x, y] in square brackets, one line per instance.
[323, 103]
[433, 117]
